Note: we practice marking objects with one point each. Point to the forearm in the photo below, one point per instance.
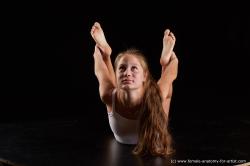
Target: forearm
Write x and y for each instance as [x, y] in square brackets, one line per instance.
[166, 88]
[166, 101]
[100, 65]
[110, 68]
[106, 83]
[168, 75]
[106, 58]
[169, 72]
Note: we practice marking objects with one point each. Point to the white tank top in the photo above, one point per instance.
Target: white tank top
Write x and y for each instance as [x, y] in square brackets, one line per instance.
[125, 130]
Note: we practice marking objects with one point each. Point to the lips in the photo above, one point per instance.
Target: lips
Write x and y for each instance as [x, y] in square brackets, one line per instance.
[126, 81]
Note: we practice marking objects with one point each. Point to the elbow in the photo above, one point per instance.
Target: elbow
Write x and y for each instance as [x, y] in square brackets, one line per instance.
[106, 95]
[170, 92]
[103, 97]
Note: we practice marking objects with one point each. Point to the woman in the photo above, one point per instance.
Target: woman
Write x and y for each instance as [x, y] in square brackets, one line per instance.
[137, 105]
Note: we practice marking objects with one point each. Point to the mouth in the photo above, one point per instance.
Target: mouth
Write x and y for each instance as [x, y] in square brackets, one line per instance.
[127, 81]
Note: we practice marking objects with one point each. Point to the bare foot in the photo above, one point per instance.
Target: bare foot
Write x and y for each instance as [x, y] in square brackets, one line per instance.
[168, 46]
[99, 37]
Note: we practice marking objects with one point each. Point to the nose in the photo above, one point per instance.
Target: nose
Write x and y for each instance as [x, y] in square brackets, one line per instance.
[127, 72]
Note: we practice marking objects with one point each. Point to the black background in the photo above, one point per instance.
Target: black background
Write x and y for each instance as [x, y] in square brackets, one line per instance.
[48, 69]
[50, 109]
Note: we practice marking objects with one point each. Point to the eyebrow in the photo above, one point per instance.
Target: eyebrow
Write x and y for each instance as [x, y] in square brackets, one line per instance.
[125, 64]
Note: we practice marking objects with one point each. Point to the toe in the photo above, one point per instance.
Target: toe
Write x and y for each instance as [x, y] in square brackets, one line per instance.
[97, 24]
[172, 35]
[167, 31]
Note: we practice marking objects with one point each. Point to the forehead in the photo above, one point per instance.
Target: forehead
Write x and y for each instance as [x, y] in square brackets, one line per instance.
[129, 59]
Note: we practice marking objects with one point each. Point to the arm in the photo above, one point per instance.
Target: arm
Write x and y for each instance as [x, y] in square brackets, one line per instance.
[105, 79]
[103, 66]
[107, 61]
[168, 75]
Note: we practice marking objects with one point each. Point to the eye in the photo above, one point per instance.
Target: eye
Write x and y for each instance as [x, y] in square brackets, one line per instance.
[122, 68]
[134, 68]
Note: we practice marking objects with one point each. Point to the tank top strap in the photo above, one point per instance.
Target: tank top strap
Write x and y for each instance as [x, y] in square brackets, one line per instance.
[113, 100]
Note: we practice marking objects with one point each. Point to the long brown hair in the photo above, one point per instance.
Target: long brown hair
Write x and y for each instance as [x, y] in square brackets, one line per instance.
[153, 137]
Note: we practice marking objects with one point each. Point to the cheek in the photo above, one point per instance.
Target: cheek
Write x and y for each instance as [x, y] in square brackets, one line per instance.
[140, 77]
[118, 76]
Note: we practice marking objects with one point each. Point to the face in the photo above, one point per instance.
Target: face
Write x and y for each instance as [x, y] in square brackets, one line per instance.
[129, 73]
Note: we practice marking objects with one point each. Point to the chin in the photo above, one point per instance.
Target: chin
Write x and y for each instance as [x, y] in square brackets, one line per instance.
[126, 87]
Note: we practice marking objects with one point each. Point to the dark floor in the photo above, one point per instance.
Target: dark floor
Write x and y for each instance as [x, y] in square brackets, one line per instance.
[74, 142]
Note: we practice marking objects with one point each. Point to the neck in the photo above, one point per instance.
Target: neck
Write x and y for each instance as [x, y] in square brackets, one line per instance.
[130, 98]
